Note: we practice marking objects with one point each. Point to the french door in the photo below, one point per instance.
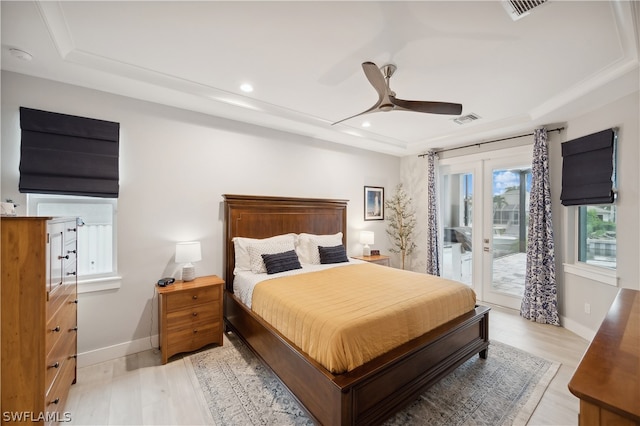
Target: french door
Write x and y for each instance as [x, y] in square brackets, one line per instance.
[484, 216]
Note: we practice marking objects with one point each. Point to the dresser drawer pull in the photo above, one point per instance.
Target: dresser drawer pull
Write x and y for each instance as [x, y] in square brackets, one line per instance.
[63, 257]
[56, 401]
[71, 273]
[195, 314]
[74, 328]
[56, 365]
[57, 329]
[71, 252]
[72, 229]
[195, 296]
[75, 301]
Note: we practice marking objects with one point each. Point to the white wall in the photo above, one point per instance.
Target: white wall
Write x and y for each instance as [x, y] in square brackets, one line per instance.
[174, 167]
[577, 290]
[573, 291]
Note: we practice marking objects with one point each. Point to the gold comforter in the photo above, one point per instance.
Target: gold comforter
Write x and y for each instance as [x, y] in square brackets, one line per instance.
[343, 317]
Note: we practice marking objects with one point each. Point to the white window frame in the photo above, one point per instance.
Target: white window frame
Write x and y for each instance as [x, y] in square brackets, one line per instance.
[573, 265]
[93, 282]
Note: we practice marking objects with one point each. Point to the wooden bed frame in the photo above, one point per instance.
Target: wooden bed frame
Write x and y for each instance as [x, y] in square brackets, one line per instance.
[372, 392]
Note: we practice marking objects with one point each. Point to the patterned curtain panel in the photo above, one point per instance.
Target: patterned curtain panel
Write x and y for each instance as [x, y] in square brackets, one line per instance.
[433, 243]
[540, 300]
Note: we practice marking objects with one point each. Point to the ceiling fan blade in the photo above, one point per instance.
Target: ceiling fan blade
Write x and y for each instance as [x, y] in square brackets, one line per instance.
[375, 77]
[372, 109]
[428, 107]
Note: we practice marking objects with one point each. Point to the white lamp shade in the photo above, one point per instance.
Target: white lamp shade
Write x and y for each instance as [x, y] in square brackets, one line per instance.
[366, 237]
[188, 252]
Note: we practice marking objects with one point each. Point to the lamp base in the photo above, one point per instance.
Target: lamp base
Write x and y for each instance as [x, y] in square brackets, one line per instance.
[366, 250]
[188, 273]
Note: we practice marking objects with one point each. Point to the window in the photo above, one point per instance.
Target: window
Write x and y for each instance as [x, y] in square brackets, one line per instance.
[597, 235]
[96, 237]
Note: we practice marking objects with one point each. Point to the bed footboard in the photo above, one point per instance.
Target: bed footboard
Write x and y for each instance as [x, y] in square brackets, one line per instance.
[374, 391]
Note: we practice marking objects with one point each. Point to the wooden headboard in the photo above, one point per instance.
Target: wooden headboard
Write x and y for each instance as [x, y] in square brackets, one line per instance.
[262, 216]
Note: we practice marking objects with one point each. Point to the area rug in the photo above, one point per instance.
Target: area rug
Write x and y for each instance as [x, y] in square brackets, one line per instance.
[504, 389]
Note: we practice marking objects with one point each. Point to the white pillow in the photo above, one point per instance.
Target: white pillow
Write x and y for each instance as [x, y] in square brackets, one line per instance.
[307, 247]
[241, 244]
[256, 251]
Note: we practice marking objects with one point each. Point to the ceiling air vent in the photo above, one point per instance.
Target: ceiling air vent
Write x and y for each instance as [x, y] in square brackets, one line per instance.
[464, 119]
[520, 8]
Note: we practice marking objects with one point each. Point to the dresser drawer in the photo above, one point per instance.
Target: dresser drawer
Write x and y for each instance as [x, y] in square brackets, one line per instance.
[62, 352]
[62, 323]
[186, 298]
[62, 294]
[70, 231]
[56, 398]
[192, 338]
[196, 315]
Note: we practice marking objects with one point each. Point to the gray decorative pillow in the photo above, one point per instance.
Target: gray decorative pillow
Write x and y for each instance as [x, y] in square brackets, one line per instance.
[281, 262]
[335, 254]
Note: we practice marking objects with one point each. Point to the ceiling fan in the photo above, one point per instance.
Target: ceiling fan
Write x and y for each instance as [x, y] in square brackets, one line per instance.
[387, 101]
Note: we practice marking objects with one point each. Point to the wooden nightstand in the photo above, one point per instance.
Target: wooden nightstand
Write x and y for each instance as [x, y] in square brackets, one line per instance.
[380, 259]
[190, 315]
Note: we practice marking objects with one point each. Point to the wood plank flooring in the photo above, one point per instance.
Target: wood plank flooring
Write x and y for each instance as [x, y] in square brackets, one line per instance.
[138, 390]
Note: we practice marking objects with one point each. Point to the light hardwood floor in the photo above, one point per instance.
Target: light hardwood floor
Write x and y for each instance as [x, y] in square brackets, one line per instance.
[138, 390]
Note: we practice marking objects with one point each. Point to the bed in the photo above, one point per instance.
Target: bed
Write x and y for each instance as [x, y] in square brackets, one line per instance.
[371, 392]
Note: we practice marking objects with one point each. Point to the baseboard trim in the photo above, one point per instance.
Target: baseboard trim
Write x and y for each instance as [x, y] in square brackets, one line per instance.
[579, 329]
[97, 356]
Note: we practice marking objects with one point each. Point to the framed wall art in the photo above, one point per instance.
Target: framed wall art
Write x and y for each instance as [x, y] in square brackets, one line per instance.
[373, 203]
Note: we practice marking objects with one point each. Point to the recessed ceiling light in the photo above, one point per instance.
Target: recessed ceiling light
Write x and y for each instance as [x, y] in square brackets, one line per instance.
[246, 87]
[366, 124]
[20, 54]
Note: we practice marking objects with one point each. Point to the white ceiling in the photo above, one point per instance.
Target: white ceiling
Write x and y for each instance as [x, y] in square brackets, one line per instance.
[304, 60]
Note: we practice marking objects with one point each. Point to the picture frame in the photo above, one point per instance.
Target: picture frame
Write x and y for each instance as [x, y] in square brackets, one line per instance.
[373, 203]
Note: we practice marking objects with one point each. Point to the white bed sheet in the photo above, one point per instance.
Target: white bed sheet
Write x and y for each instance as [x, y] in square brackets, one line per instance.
[245, 281]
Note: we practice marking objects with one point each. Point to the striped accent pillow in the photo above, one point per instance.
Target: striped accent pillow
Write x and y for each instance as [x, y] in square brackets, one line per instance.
[336, 254]
[281, 262]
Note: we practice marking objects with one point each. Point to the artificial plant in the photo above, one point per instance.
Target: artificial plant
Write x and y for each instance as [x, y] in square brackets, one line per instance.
[401, 219]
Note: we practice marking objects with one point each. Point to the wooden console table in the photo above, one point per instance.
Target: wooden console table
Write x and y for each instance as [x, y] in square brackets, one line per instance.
[607, 380]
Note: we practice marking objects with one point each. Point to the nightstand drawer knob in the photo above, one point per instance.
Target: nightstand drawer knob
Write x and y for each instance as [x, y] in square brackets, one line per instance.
[195, 297]
[195, 314]
[57, 329]
[195, 330]
[55, 401]
[56, 365]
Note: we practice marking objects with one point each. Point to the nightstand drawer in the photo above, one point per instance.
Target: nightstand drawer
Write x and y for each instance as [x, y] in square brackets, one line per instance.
[192, 338]
[186, 298]
[192, 316]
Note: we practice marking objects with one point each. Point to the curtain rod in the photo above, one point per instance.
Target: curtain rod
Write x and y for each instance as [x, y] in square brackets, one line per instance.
[559, 129]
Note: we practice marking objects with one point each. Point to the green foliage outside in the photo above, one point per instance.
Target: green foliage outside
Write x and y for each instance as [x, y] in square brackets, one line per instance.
[598, 228]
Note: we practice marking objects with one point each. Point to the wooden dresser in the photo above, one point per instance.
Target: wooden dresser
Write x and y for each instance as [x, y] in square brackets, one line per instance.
[607, 380]
[39, 321]
[190, 315]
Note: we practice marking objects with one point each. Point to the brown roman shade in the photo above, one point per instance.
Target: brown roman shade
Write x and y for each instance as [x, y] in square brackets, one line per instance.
[68, 155]
[589, 169]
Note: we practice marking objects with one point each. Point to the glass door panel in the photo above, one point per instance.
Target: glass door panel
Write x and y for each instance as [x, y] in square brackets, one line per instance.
[509, 219]
[457, 219]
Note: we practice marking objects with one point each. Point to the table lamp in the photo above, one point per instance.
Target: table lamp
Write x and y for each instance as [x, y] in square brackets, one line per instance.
[366, 238]
[186, 253]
